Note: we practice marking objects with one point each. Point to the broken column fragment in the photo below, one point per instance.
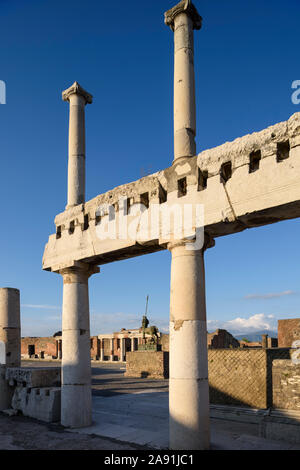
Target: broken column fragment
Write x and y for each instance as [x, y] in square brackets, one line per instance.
[10, 340]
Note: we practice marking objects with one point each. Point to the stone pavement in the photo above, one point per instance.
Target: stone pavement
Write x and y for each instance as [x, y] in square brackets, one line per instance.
[128, 414]
[142, 418]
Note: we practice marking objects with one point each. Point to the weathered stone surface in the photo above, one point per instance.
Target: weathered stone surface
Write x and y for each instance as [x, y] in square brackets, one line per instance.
[281, 426]
[147, 364]
[2, 353]
[286, 385]
[34, 377]
[288, 332]
[247, 199]
[6, 391]
[39, 403]
[242, 377]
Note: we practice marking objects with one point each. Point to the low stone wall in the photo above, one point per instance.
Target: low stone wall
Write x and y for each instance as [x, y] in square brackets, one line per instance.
[286, 385]
[147, 364]
[242, 377]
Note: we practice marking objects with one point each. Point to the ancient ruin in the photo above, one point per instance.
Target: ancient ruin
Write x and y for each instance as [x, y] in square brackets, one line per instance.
[247, 183]
[250, 182]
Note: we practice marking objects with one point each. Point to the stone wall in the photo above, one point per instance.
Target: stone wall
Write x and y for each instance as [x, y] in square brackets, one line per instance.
[288, 332]
[286, 385]
[39, 347]
[95, 347]
[221, 339]
[147, 364]
[242, 377]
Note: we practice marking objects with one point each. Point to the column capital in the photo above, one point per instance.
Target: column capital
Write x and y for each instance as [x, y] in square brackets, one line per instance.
[185, 6]
[76, 89]
[78, 273]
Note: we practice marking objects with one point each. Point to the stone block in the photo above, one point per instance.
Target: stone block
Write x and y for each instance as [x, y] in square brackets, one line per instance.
[6, 392]
[40, 403]
[147, 364]
[31, 377]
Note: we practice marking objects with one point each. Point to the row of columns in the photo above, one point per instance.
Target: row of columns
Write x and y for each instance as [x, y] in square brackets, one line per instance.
[189, 397]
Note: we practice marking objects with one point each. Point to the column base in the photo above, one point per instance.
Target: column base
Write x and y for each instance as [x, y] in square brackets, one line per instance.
[76, 406]
[189, 414]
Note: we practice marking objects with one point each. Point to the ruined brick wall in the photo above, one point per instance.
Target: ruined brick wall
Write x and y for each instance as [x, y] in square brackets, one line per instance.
[164, 341]
[221, 339]
[107, 347]
[46, 347]
[286, 385]
[242, 377]
[95, 347]
[151, 364]
[288, 332]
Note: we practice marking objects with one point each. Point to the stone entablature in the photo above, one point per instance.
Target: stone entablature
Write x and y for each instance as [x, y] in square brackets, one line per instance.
[261, 172]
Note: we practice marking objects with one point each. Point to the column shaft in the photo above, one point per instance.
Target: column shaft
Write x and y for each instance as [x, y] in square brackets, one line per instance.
[76, 404]
[189, 392]
[10, 340]
[101, 349]
[76, 163]
[184, 88]
[10, 327]
[77, 98]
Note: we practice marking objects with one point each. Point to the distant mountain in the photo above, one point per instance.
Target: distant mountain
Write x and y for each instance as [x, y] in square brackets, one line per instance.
[256, 336]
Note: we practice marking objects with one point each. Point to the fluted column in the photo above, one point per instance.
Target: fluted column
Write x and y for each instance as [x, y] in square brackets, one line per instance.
[76, 402]
[183, 19]
[77, 98]
[189, 392]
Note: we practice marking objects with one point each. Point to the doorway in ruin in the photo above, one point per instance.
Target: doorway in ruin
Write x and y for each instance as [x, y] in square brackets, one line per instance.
[31, 350]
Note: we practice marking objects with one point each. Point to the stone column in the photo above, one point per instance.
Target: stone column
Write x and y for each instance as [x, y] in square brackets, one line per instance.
[112, 350]
[102, 349]
[132, 344]
[10, 340]
[10, 328]
[189, 392]
[77, 98]
[122, 349]
[183, 19]
[76, 402]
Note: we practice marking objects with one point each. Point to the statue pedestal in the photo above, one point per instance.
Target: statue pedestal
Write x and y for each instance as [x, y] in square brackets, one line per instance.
[150, 364]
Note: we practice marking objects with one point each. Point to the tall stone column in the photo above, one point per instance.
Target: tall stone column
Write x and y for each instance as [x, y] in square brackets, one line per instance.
[132, 344]
[10, 340]
[10, 327]
[77, 98]
[76, 399]
[183, 19]
[189, 392]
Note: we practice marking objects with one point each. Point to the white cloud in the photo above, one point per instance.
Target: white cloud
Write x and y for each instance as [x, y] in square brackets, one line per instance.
[269, 296]
[257, 322]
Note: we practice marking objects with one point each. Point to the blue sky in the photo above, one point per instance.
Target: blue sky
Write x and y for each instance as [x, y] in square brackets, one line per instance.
[246, 58]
